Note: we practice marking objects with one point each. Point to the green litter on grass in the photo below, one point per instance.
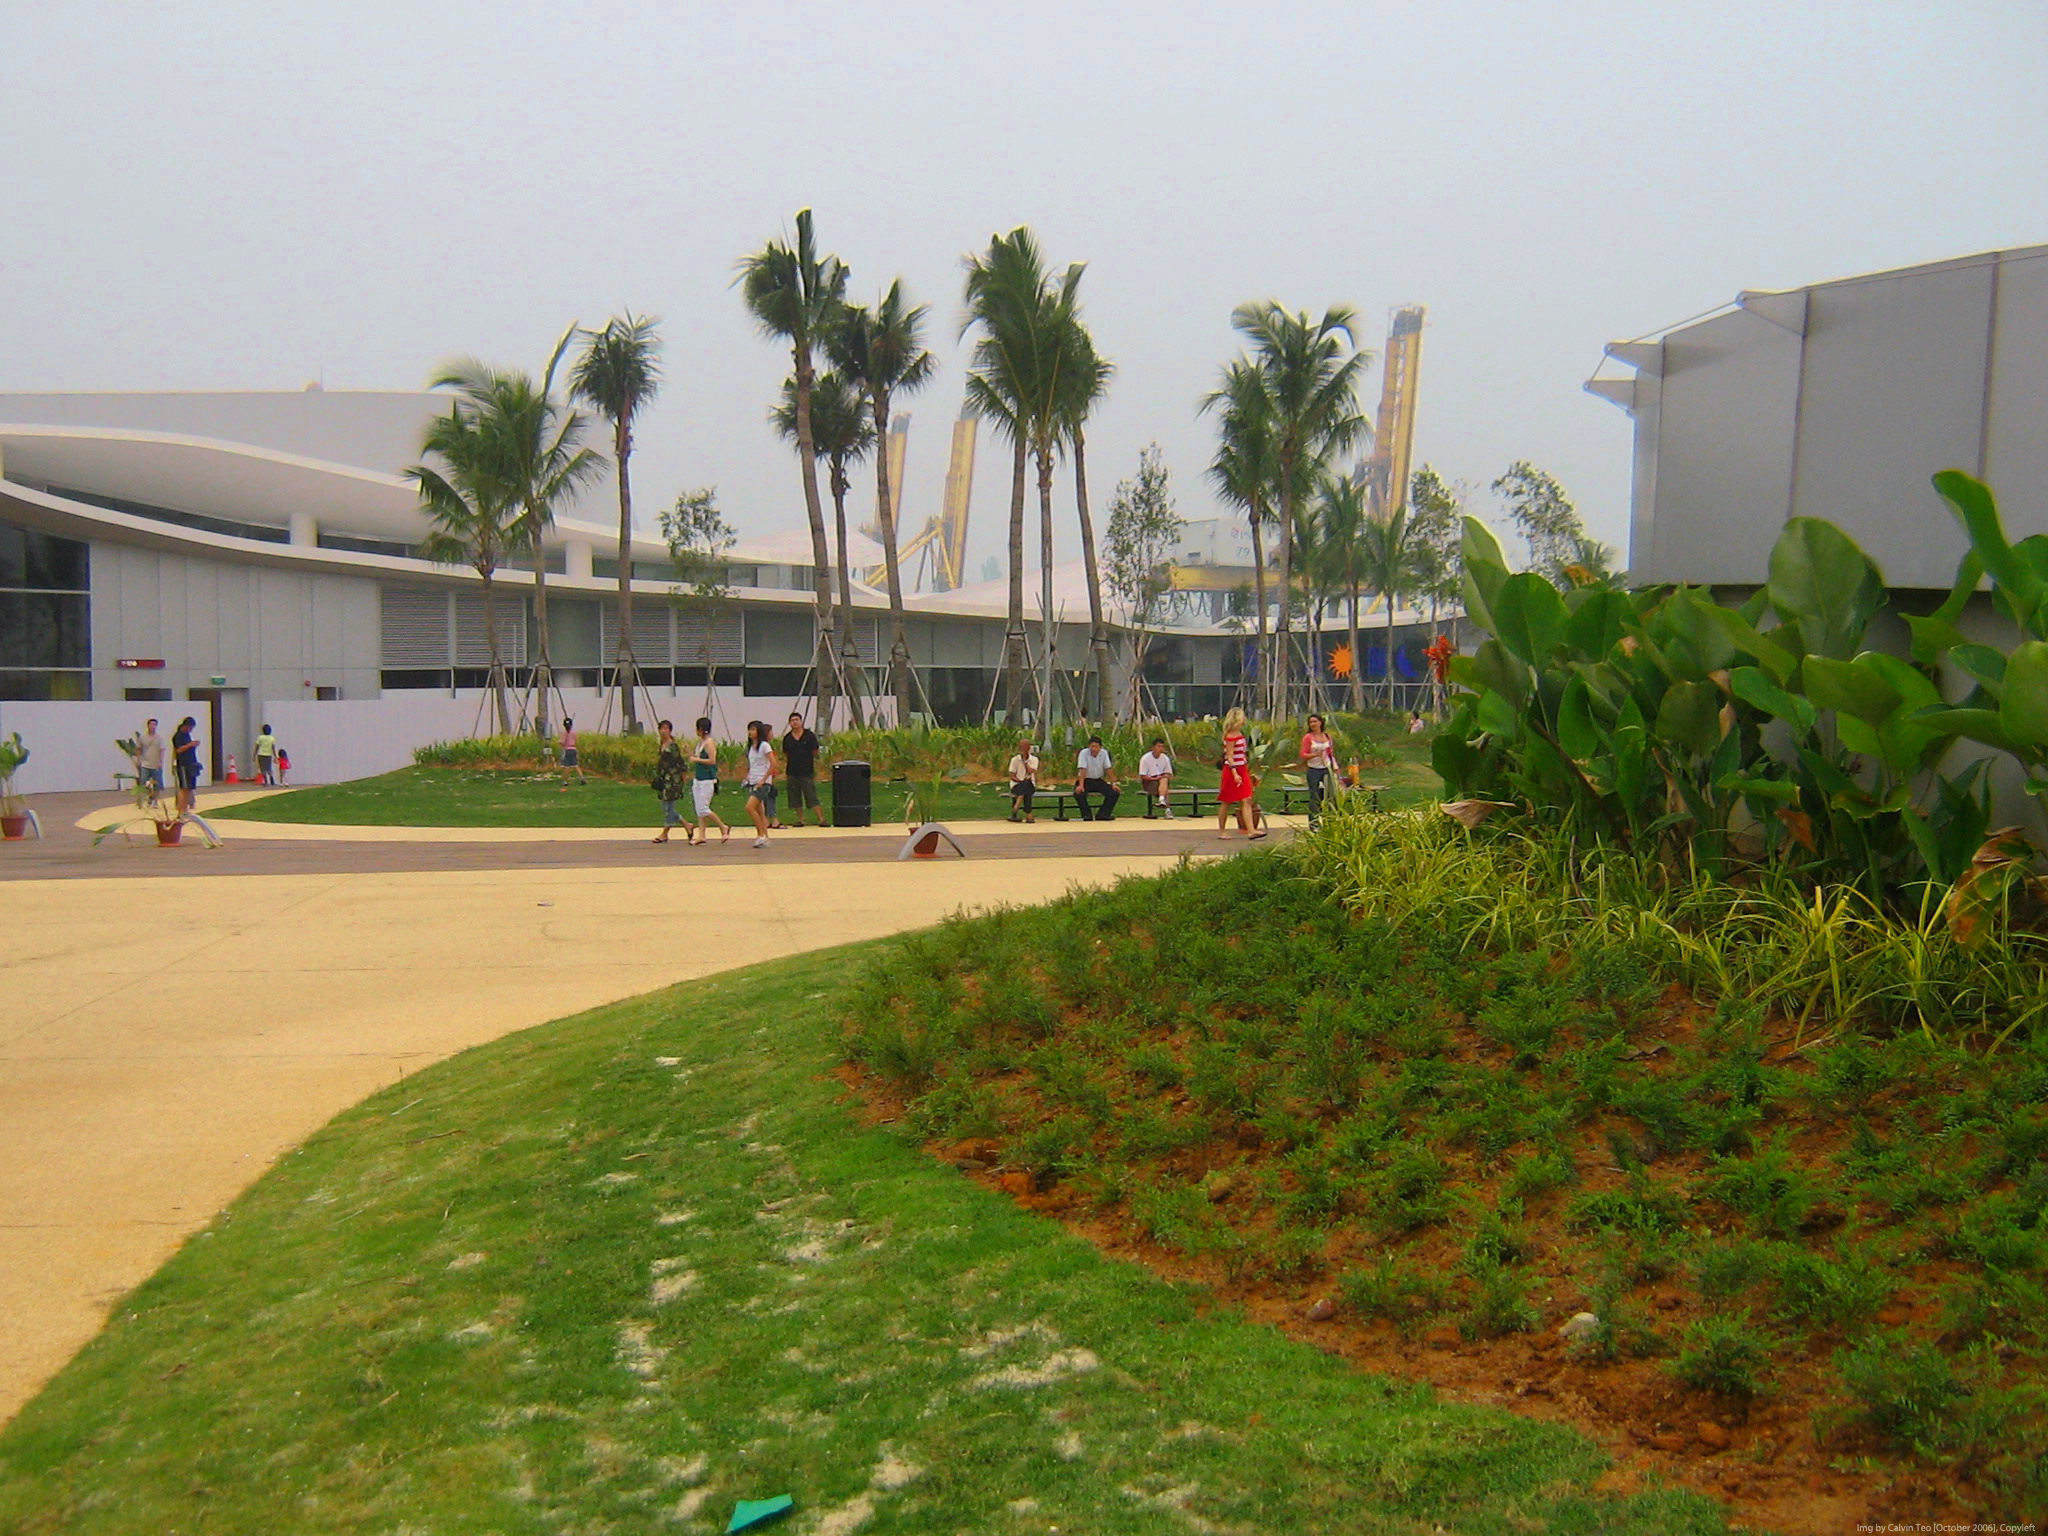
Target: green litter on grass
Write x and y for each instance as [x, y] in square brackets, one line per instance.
[752, 1513]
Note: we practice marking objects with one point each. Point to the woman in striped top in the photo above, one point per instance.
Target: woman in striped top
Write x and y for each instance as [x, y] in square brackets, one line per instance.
[1237, 786]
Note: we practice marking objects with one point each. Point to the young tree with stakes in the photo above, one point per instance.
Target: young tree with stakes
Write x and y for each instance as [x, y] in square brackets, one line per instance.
[794, 295]
[535, 440]
[617, 374]
[882, 352]
[470, 511]
[1143, 529]
[1311, 369]
[699, 540]
[841, 434]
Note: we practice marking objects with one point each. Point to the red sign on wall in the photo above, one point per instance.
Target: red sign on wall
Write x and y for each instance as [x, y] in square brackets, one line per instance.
[140, 663]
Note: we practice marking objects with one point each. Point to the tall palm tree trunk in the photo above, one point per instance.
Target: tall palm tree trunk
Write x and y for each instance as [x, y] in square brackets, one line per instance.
[1098, 628]
[1357, 661]
[1013, 638]
[824, 660]
[497, 679]
[1263, 652]
[885, 521]
[1048, 661]
[628, 663]
[849, 641]
[1283, 637]
[543, 668]
[1390, 653]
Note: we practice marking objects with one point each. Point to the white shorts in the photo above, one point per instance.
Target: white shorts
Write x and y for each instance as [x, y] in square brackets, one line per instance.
[701, 791]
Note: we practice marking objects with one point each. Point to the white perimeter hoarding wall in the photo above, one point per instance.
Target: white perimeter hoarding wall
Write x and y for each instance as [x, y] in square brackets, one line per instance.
[71, 744]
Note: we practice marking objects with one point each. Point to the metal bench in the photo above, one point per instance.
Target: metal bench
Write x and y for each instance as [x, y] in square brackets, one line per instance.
[1191, 798]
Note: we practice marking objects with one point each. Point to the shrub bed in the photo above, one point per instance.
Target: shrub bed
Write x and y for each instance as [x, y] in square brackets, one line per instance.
[1812, 1243]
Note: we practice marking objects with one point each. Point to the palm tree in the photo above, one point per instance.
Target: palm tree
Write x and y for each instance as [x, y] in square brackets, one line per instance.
[794, 295]
[1341, 522]
[469, 512]
[882, 352]
[1007, 299]
[1391, 559]
[536, 436]
[1246, 473]
[841, 435]
[617, 374]
[1311, 370]
[1084, 381]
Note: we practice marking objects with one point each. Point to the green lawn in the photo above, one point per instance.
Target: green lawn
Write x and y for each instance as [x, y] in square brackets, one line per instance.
[614, 1273]
[522, 797]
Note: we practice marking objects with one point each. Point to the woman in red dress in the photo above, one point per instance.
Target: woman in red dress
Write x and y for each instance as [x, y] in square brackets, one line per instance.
[1237, 786]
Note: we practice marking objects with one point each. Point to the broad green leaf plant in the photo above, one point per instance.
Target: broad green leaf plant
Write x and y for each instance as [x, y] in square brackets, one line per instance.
[1663, 720]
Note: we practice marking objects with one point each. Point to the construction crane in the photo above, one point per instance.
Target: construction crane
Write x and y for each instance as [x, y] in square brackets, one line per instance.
[1393, 442]
[938, 549]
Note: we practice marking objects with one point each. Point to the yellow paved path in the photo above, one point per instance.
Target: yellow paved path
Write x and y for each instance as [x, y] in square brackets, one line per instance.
[162, 1041]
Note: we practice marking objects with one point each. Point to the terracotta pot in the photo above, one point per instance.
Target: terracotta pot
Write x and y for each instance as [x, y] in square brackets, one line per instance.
[168, 833]
[13, 827]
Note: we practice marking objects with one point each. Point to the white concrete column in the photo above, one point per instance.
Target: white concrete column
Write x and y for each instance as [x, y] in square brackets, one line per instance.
[305, 530]
[576, 558]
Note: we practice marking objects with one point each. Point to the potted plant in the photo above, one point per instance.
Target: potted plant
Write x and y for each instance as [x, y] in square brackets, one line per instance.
[14, 816]
[161, 814]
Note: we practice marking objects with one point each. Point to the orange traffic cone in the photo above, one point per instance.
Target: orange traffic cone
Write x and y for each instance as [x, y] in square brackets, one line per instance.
[233, 777]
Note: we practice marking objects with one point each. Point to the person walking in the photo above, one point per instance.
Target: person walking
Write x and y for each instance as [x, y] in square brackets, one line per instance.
[185, 763]
[1155, 777]
[800, 768]
[1319, 760]
[149, 761]
[572, 761]
[704, 782]
[284, 766]
[760, 779]
[1095, 774]
[1023, 782]
[1236, 786]
[671, 781]
[266, 755]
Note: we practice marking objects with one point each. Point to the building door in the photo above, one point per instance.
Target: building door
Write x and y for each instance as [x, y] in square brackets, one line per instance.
[227, 728]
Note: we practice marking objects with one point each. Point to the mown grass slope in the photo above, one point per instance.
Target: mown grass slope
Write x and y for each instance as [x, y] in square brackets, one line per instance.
[615, 1273]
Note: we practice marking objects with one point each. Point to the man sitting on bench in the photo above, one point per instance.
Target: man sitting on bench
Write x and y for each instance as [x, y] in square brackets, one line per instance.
[1155, 777]
[1095, 774]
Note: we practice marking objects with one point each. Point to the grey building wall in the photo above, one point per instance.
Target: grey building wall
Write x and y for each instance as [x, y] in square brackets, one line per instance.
[281, 634]
[1841, 401]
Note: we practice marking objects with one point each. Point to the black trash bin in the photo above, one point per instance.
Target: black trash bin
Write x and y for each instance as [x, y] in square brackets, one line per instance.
[852, 795]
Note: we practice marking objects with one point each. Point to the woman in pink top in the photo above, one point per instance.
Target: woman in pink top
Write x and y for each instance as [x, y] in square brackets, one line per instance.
[572, 761]
[1318, 757]
[1236, 785]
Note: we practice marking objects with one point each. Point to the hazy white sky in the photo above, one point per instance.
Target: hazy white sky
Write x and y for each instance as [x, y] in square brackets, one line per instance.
[238, 195]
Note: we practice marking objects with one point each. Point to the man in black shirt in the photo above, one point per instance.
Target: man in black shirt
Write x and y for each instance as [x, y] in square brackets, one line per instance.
[800, 768]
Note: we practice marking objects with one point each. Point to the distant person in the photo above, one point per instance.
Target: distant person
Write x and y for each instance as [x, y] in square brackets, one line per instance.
[1319, 760]
[185, 763]
[671, 781]
[149, 761]
[266, 756]
[1095, 774]
[760, 779]
[704, 782]
[1155, 776]
[1023, 782]
[572, 761]
[800, 768]
[1416, 724]
[1236, 786]
[284, 766]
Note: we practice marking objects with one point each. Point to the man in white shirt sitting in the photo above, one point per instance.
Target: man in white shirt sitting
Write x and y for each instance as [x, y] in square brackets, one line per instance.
[1095, 774]
[1155, 775]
